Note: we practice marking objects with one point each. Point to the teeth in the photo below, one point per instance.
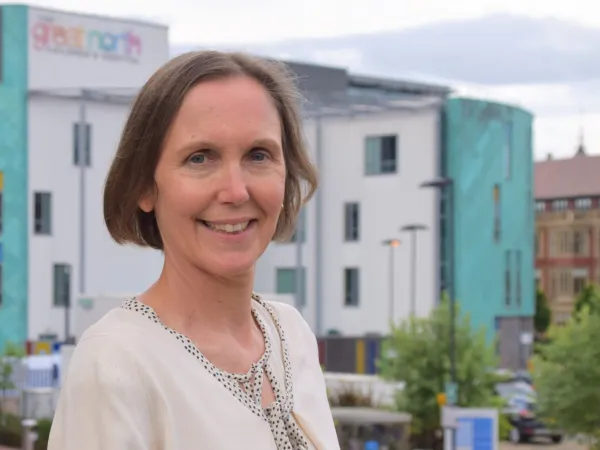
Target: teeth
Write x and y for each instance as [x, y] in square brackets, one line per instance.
[228, 227]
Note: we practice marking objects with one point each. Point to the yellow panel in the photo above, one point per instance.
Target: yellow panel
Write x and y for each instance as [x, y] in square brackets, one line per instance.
[1, 181]
[360, 356]
[42, 348]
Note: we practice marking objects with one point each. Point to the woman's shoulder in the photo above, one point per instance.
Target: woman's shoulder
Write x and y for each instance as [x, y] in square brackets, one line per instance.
[117, 338]
[120, 324]
[289, 318]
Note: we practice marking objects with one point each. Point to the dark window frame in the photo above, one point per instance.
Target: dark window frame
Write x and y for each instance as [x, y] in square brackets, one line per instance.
[62, 285]
[351, 221]
[42, 213]
[352, 287]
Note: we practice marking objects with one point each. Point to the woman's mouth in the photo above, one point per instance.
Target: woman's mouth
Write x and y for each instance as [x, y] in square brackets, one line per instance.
[228, 228]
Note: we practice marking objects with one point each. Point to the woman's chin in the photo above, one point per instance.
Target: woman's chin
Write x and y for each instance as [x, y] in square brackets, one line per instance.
[232, 267]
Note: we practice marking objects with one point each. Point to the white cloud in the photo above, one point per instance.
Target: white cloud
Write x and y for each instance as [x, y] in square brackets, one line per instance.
[215, 21]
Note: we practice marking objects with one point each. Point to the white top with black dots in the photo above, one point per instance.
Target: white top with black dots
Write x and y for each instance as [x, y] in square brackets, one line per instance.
[131, 385]
[248, 387]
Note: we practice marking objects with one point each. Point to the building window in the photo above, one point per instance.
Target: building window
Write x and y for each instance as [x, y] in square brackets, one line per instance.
[286, 282]
[62, 285]
[497, 213]
[537, 243]
[579, 284]
[540, 206]
[87, 144]
[564, 283]
[1, 200]
[351, 286]
[381, 155]
[351, 221]
[300, 230]
[560, 205]
[42, 213]
[518, 293]
[583, 203]
[507, 286]
[578, 242]
[508, 150]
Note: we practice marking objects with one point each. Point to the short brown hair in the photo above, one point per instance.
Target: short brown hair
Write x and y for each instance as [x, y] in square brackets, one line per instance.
[131, 174]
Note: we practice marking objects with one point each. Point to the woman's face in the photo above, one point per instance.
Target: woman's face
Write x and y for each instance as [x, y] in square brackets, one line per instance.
[220, 179]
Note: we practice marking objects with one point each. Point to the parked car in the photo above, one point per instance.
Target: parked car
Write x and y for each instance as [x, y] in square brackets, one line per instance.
[526, 425]
[511, 388]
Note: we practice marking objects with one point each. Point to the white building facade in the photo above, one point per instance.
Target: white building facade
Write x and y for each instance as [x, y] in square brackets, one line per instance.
[66, 84]
[61, 70]
[371, 168]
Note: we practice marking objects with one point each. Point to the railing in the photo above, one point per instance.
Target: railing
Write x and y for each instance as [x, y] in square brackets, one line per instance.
[25, 378]
[568, 215]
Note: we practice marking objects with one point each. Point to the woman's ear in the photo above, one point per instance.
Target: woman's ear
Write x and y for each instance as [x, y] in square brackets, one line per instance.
[147, 202]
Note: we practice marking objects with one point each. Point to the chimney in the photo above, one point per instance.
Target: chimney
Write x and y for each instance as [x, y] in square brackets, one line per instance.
[549, 157]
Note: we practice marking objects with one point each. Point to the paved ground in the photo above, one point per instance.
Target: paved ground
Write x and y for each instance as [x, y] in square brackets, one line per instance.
[542, 445]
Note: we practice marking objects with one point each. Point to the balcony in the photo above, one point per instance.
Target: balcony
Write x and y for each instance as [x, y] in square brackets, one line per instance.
[567, 217]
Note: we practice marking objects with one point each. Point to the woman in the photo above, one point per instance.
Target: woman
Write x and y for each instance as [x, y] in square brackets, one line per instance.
[209, 170]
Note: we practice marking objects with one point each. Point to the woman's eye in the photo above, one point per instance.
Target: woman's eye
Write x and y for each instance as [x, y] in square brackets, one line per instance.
[258, 155]
[198, 158]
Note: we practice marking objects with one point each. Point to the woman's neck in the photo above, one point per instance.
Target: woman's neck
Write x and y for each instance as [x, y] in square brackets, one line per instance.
[194, 301]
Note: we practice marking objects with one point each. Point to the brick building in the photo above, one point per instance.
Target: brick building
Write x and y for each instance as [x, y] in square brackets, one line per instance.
[567, 251]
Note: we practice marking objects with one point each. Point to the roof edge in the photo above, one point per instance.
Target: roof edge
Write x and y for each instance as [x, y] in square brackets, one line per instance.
[139, 22]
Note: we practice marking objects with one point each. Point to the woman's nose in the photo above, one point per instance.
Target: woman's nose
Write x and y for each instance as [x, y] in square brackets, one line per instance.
[233, 188]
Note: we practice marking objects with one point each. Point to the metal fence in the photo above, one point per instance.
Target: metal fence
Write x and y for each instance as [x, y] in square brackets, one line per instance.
[24, 378]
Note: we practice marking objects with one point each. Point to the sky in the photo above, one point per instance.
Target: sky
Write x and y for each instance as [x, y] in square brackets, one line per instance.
[219, 21]
[559, 108]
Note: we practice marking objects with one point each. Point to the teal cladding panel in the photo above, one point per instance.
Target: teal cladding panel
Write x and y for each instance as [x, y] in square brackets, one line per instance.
[488, 144]
[13, 163]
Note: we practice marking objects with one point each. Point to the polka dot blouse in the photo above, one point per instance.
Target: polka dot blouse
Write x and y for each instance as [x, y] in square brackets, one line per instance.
[248, 387]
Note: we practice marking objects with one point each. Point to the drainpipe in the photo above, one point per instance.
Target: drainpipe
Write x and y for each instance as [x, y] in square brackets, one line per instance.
[319, 231]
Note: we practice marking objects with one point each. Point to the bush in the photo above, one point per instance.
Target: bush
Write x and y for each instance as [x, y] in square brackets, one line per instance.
[11, 432]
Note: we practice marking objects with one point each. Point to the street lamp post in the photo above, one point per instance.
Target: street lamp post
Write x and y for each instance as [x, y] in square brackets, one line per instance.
[446, 186]
[413, 229]
[392, 244]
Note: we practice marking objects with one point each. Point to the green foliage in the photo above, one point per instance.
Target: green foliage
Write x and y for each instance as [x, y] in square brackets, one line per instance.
[7, 358]
[417, 353]
[543, 314]
[11, 433]
[566, 375]
[588, 297]
[349, 394]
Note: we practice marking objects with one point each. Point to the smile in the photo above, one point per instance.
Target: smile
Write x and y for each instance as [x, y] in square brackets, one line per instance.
[228, 228]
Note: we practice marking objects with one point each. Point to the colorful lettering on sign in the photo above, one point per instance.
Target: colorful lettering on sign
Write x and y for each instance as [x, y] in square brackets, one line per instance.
[50, 36]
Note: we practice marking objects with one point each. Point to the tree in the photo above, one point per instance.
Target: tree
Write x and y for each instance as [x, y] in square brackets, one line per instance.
[566, 375]
[12, 353]
[417, 353]
[590, 297]
[543, 314]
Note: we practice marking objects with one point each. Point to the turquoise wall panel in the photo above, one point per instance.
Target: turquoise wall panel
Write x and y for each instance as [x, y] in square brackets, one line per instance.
[488, 144]
[13, 164]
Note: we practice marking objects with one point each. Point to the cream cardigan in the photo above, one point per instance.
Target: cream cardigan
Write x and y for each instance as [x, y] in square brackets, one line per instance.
[132, 385]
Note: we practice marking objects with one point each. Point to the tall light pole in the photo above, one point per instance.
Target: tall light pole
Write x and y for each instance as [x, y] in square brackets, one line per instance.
[392, 244]
[446, 186]
[413, 228]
